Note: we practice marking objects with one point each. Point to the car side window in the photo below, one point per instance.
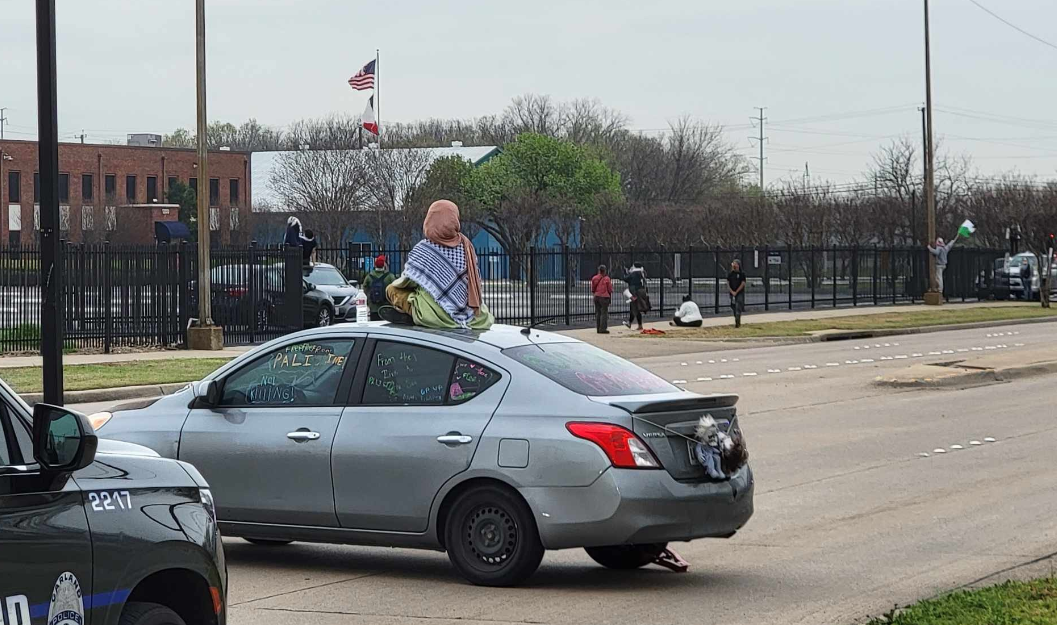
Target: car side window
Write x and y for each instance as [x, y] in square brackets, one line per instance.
[468, 380]
[302, 374]
[402, 374]
[8, 444]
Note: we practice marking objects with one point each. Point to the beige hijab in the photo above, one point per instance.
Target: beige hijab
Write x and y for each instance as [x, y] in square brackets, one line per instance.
[443, 228]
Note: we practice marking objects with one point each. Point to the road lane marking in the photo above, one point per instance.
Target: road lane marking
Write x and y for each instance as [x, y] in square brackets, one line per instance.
[989, 440]
[939, 450]
[774, 371]
[867, 360]
[832, 364]
[794, 369]
[975, 443]
[811, 366]
[916, 355]
[704, 379]
[957, 447]
[934, 353]
[678, 381]
[901, 357]
[750, 374]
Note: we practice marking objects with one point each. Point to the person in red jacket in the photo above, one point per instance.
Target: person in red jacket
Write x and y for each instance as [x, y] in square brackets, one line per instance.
[602, 289]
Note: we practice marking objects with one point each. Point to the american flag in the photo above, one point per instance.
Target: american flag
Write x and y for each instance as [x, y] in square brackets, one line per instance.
[364, 79]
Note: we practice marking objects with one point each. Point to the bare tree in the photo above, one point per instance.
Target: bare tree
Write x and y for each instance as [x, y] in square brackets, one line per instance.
[393, 176]
[328, 186]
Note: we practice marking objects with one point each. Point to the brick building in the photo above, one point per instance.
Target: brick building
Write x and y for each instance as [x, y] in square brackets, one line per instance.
[109, 192]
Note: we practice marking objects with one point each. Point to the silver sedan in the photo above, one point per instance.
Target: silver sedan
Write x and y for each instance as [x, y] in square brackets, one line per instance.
[492, 446]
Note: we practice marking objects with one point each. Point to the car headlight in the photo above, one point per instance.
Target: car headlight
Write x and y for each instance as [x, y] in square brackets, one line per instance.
[206, 497]
[100, 419]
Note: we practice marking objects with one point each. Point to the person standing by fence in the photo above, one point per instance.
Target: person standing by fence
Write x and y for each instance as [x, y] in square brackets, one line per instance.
[308, 249]
[602, 290]
[940, 252]
[374, 285]
[736, 284]
[293, 232]
[636, 291]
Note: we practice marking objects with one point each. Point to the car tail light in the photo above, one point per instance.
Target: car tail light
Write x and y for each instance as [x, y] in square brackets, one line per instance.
[237, 291]
[624, 449]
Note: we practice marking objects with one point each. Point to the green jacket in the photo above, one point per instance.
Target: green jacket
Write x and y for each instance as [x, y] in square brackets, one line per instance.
[385, 276]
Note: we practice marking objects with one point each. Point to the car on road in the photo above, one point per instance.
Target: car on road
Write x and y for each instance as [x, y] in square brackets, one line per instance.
[101, 532]
[329, 279]
[242, 297]
[493, 446]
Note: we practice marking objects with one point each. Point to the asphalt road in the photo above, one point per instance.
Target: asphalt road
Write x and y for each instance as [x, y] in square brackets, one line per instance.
[850, 518]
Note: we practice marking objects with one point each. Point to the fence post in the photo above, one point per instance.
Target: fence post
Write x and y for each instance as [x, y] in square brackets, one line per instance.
[892, 262]
[108, 298]
[660, 257]
[295, 312]
[350, 264]
[532, 285]
[715, 269]
[766, 277]
[690, 271]
[834, 276]
[855, 275]
[789, 271]
[873, 275]
[811, 263]
[966, 273]
[251, 277]
[568, 282]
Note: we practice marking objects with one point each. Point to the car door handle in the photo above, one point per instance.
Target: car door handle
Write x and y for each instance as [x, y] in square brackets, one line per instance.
[455, 439]
[301, 436]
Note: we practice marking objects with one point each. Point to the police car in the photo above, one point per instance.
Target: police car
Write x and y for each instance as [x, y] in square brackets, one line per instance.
[100, 532]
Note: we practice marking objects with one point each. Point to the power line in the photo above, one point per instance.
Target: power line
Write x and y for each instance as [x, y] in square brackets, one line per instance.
[1013, 26]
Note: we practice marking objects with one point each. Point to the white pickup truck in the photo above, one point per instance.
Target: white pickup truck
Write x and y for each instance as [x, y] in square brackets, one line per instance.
[1015, 269]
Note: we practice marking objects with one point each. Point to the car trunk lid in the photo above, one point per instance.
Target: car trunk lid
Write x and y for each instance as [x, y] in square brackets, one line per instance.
[666, 424]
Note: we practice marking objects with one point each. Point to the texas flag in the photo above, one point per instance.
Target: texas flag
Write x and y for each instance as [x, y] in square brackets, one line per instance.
[368, 118]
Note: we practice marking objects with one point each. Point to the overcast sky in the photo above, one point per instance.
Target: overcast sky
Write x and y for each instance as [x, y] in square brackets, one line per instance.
[128, 66]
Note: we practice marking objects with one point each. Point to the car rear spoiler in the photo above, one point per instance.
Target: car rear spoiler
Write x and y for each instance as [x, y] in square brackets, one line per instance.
[679, 403]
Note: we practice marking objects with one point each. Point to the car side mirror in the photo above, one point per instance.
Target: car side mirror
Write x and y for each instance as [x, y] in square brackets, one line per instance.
[63, 440]
[210, 393]
[308, 286]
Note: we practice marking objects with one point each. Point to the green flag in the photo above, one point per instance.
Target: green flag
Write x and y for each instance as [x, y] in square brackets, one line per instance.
[967, 229]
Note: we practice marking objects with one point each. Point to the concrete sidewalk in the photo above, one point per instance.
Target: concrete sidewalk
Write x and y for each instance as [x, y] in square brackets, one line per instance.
[94, 359]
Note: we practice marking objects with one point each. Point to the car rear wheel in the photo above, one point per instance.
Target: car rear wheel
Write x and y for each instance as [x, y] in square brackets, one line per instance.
[491, 537]
[267, 542]
[626, 557]
[323, 317]
[149, 614]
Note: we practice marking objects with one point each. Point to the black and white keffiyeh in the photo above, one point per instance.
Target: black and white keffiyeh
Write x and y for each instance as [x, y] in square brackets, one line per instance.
[441, 271]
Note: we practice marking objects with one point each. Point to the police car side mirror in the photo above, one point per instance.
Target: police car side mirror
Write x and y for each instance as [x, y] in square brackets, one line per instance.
[63, 440]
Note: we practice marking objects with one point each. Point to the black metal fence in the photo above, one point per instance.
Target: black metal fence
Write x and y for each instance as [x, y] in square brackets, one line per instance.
[118, 297]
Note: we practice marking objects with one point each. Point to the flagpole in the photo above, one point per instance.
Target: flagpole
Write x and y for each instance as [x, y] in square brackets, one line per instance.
[378, 94]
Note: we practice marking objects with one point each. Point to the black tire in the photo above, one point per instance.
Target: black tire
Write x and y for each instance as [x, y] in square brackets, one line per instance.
[626, 557]
[324, 317]
[491, 537]
[267, 542]
[149, 614]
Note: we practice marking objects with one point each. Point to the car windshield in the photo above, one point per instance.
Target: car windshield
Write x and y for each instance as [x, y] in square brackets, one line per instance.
[328, 276]
[587, 370]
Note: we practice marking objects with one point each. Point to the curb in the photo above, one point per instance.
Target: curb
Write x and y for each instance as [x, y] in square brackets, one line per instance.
[970, 378]
[110, 394]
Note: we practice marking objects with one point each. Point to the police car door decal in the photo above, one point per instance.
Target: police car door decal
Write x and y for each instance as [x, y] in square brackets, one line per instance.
[67, 606]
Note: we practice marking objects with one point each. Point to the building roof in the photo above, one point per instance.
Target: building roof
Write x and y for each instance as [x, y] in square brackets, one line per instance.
[262, 164]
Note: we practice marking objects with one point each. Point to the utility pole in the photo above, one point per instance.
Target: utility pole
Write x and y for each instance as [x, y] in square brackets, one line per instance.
[3, 120]
[761, 139]
[933, 296]
[82, 136]
[205, 335]
[51, 325]
[807, 175]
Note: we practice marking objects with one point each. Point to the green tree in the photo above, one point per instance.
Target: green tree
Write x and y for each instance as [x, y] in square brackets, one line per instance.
[536, 182]
[184, 196]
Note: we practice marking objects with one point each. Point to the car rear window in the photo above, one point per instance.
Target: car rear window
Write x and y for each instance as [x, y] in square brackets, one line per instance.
[587, 370]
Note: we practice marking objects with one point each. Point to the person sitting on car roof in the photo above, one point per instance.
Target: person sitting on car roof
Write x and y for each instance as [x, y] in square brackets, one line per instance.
[440, 286]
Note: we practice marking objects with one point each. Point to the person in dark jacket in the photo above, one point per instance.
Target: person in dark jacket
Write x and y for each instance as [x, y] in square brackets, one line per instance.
[736, 285]
[635, 278]
[602, 290]
[308, 248]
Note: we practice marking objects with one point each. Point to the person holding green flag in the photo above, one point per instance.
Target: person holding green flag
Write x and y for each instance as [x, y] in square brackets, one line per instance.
[942, 250]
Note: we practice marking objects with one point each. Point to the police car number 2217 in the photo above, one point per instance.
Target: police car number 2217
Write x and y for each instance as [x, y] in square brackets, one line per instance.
[109, 501]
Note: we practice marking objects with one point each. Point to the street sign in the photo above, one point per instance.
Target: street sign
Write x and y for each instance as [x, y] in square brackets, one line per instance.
[774, 258]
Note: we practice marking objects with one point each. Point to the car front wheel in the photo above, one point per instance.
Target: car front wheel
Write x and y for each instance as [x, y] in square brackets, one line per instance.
[324, 317]
[149, 614]
[491, 537]
[626, 557]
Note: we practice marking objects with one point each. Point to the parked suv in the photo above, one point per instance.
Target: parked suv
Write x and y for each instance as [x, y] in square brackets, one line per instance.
[329, 279]
[101, 532]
